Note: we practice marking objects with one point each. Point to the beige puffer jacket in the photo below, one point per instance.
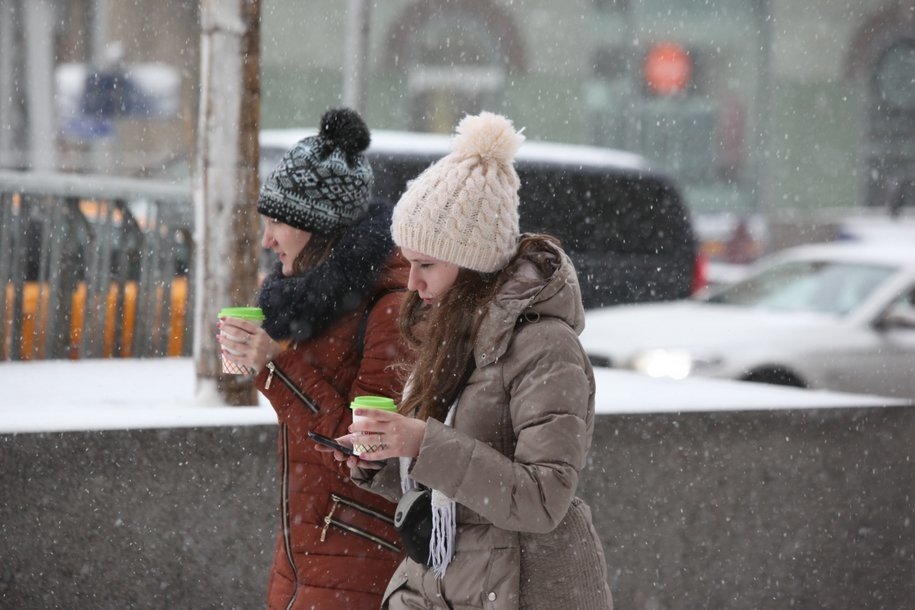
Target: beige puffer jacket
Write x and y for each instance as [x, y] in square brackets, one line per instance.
[521, 434]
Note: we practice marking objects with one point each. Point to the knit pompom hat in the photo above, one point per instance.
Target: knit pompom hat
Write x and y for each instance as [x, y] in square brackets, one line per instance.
[464, 208]
[323, 183]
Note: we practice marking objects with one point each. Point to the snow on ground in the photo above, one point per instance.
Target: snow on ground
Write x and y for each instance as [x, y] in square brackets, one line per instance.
[59, 395]
[63, 395]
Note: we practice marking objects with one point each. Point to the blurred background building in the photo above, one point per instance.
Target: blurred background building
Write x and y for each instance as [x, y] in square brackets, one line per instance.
[757, 107]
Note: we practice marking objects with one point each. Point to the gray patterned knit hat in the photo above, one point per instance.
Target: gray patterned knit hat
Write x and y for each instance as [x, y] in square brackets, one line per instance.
[323, 183]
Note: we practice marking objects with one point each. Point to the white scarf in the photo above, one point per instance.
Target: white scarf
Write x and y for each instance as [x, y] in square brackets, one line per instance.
[441, 546]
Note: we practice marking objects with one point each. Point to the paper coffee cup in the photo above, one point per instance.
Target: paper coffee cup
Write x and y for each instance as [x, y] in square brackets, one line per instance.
[253, 315]
[369, 402]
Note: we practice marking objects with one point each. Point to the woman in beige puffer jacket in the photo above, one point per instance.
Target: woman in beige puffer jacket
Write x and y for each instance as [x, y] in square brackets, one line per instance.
[503, 458]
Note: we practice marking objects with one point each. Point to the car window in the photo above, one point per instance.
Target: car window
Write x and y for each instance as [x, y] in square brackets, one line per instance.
[905, 298]
[820, 286]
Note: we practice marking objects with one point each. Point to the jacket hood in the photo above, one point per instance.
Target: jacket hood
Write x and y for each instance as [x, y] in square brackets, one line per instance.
[542, 284]
[360, 264]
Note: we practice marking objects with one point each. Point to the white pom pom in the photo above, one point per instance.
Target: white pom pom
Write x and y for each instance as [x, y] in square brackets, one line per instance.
[488, 136]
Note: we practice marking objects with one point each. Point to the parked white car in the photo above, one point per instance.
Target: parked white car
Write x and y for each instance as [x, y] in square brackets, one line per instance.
[837, 316]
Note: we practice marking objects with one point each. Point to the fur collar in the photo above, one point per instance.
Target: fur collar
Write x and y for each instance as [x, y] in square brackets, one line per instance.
[301, 307]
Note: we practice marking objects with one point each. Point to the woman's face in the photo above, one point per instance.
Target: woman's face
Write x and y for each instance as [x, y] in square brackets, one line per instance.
[286, 241]
[429, 277]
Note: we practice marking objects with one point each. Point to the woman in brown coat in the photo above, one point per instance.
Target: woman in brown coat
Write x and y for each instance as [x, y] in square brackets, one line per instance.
[333, 302]
[498, 412]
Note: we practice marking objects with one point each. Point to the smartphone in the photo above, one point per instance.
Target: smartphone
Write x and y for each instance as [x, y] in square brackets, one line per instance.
[329, 442]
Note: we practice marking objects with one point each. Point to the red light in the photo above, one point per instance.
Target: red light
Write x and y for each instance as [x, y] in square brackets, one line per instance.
[667, 68]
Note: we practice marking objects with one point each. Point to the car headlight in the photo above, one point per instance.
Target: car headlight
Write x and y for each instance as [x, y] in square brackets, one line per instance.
[671, 363]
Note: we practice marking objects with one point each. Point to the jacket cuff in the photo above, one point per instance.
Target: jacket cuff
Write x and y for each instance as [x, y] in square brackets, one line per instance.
[441, 444]
[384, 482]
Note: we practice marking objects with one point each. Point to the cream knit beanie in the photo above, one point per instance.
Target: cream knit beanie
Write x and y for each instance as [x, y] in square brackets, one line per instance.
[464, 208]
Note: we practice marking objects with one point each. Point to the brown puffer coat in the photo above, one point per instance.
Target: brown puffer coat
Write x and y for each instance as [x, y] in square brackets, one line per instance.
[521, 435]
[320, 565]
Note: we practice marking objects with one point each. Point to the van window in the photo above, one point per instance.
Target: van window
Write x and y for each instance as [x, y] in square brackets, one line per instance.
[629, 235]
[627, 232]
[392, 172]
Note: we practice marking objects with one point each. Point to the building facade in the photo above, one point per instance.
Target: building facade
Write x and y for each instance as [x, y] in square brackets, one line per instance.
[756, 106]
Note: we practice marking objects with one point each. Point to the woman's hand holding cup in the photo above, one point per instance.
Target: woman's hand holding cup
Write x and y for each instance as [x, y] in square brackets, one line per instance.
[244, 343]
[383, 434]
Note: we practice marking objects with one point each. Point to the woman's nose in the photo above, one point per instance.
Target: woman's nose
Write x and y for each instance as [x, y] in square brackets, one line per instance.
[413, 280]
[267, 238]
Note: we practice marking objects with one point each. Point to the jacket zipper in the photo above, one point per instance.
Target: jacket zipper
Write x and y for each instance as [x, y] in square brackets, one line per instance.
[274, 369]
[329, 520]
[287, 530]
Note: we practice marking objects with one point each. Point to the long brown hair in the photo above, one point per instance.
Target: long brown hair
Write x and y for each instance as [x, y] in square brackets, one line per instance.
[443, 336]
[315, 251]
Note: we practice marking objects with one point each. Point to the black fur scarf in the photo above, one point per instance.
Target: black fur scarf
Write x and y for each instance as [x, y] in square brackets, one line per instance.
[301, 307]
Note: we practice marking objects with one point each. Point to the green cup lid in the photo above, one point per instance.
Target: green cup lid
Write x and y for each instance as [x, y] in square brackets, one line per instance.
[245, 313]
[373, 402]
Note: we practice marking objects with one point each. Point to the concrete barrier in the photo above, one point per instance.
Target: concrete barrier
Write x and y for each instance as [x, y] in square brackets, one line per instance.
[757, 509]
[749, 509]
[179, 518]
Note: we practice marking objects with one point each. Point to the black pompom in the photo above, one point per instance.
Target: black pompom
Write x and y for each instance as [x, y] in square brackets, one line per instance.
[346, 129]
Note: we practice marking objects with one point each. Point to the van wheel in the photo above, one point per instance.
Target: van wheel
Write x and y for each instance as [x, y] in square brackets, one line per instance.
[775, 376]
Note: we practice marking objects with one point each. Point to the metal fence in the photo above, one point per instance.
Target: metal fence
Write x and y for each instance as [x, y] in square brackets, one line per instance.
[93, 267]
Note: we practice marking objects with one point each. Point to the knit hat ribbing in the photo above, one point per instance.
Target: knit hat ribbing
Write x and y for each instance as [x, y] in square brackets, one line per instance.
[464, 208]
[323, 183]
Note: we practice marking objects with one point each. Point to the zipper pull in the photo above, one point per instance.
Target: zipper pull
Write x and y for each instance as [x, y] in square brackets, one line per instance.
[272, 368]
[328, 519]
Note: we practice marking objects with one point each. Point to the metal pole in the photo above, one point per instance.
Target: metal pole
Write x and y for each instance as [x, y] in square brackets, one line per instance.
[8, 97]
[102, 148]
[634, 103]
[355, 75]
[39, 40]
[761, 204]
